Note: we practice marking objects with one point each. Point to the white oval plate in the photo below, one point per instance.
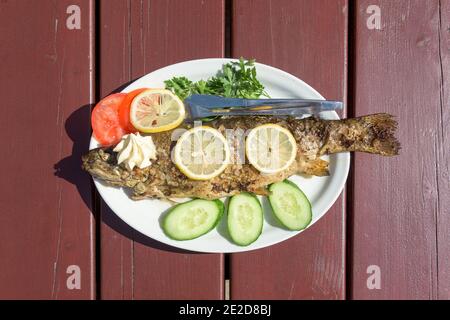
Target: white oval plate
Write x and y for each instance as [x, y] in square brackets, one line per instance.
[144, 215]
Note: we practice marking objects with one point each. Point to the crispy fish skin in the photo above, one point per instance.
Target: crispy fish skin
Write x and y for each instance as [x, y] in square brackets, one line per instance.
[314, 137]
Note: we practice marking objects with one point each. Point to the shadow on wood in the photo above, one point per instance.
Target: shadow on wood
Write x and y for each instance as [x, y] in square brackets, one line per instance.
[69, 168]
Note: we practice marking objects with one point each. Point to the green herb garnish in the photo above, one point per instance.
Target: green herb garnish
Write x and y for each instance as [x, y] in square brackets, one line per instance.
[235, 80]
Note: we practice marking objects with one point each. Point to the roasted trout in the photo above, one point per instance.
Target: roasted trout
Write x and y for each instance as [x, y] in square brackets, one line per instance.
[314, 137]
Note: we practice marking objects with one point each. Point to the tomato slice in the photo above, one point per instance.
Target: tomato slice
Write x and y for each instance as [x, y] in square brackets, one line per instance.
[124, 110]
[105, 120]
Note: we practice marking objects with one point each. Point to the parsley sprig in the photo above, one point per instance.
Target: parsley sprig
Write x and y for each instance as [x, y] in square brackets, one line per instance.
[235, 80]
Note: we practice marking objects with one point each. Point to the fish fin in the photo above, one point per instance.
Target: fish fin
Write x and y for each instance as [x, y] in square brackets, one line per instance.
[382, 128]
[316, 167]
[261, 191]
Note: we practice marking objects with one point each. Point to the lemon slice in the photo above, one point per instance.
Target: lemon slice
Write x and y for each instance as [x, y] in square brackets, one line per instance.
[156, 110]
[270, 148]
[202, 153]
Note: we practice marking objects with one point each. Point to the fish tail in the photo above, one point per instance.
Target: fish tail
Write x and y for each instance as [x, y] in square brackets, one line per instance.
[381, 135]
[372, 134]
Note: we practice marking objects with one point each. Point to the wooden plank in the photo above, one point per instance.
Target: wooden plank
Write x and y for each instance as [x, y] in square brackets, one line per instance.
[307, 39]
[401, 211]
[46, 224]
[137, 38]
[443, 150]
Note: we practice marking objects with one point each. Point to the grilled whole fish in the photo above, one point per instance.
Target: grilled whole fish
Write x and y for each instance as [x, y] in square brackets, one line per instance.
[314, 137]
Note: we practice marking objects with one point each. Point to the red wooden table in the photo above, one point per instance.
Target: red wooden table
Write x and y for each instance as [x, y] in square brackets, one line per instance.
[391, 223]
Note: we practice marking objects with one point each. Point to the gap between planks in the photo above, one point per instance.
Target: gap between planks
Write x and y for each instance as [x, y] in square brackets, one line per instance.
[349, 196]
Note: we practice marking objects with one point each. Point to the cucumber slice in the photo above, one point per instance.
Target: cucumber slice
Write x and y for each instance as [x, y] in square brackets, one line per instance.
[245, 219]
[290, 205]
[192, 219]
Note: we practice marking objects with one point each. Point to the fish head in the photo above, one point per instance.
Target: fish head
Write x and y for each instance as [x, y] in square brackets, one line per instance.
[102, 163]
